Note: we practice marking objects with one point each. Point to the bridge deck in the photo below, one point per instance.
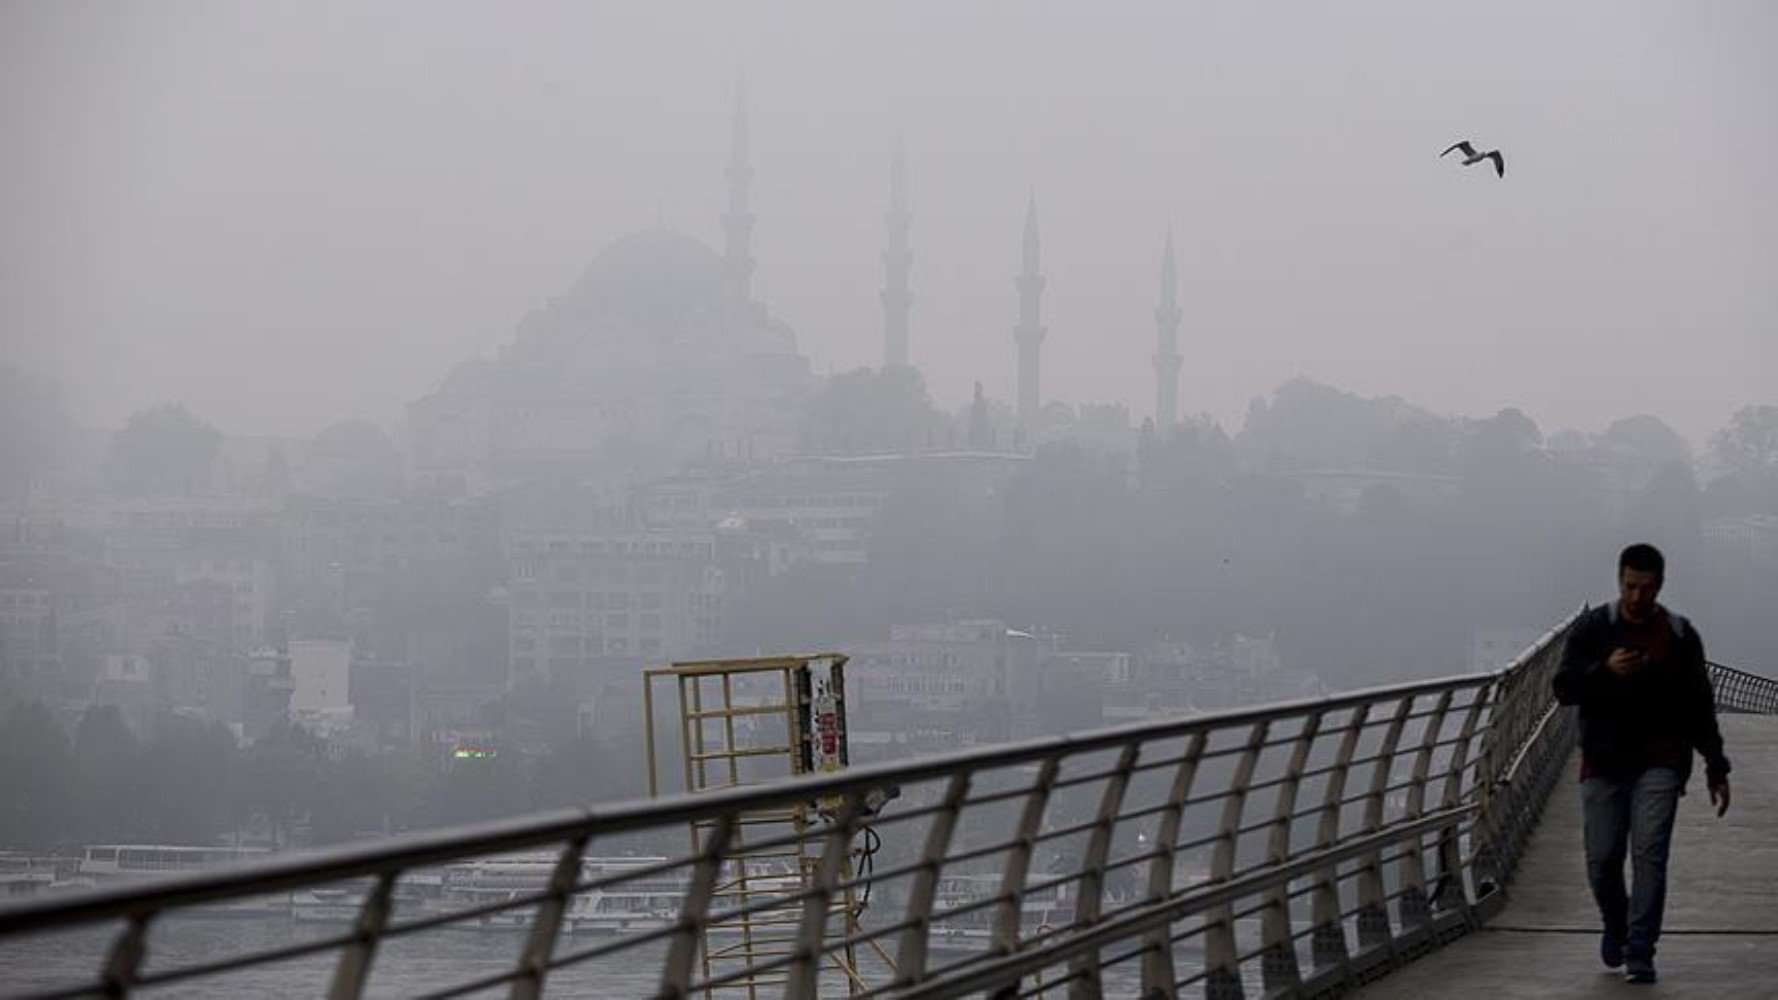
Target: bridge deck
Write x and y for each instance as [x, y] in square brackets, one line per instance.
[1721, 939]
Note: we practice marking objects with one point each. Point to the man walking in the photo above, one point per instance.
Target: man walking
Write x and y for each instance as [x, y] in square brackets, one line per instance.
[1636, 671]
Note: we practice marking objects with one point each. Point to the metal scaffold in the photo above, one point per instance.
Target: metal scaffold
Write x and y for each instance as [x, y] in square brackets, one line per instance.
[750, 722]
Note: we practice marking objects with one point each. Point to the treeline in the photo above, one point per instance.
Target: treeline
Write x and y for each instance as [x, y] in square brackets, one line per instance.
[190, 782]
[1469, 524]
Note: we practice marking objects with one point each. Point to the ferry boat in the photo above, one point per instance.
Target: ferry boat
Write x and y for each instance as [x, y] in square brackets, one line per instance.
[1040, 910]
[110, 862]
[106, 863]
[640, 903]
[417, 894]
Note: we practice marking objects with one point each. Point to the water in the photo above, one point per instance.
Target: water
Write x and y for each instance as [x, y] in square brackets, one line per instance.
[404, 967]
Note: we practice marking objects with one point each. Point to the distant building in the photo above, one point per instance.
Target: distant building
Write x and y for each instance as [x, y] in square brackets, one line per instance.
[832, 500]
[938, 685]
[1239, 670]
[352, 458]
[656, 356]
[1085, 690]
[268, 689]
[321, 674]
[586, 585]
[1346, 489]
[385, 698]
[1753, 537]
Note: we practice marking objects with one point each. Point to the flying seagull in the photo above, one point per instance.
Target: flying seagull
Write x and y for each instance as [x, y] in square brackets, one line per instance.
[1471, 156]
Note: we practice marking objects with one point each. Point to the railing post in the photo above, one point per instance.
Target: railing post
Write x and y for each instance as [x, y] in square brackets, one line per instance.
[1008, 922]
[1327, 942]
[1278, 965]
[355, 960]
[1449, 892]
[127, 954]
[1415, 913]
[804, 975]
[1222, 964]
[682, 947]
[1084, 968]
[1490, 787]
[1158, 977]
[1373, 898]
[534, 966]
[910, 957]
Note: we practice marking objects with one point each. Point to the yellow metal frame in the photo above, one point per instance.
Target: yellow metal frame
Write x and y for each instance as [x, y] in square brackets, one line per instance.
[745, 701]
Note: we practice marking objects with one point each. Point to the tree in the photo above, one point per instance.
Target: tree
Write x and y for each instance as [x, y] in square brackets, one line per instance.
[1746, 454]
[1647, 437]
[164, 449]
[36, 799]
[1748, 446]
[280, 777]
[1309, 425]
[107, 775]
[185, 781]
[926, 549]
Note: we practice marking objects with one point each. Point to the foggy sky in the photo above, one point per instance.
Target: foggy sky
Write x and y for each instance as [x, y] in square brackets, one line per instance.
[288, 214]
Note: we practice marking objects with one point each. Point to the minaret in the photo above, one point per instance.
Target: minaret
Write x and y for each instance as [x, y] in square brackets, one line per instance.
[896, 297]
[1166, 359]
[1029, 333]
[737, 222]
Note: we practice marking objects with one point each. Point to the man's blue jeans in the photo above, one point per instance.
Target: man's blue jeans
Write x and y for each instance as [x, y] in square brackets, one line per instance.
[1634, 811]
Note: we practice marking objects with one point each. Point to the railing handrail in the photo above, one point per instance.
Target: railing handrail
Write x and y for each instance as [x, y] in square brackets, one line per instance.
[298, 869]
[1444, 797]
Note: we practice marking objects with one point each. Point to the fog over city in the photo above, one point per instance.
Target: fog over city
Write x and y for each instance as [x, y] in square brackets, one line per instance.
[384, 387]
[285, 214]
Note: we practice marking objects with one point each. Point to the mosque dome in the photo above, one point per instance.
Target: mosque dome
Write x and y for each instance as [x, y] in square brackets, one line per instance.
[354, 440]
[659, 283]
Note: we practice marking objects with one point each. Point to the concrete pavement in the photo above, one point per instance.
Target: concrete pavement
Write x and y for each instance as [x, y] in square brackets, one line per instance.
[1721, 936]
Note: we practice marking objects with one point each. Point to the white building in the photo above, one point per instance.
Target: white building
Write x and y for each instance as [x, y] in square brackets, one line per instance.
[321, 670]
[956, 683]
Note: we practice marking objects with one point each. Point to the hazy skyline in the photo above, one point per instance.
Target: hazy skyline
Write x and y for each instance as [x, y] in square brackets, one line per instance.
[287, 215]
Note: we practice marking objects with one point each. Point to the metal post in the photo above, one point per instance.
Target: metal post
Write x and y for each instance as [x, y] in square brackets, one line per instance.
[127, 954]
[546, 927]
[811, 932]
[1327, 943]
[355, 959]
[682, 947]
[910, 959]
[1415, 911]
[1222, 979]
[1448, 889]
[1373, 905]
[1008, 926]
[1158, 978]
[1278, 966]
[1084, 968]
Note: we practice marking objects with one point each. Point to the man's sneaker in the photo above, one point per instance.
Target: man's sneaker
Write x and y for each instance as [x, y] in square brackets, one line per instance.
[1611, 951]
[1639, 966]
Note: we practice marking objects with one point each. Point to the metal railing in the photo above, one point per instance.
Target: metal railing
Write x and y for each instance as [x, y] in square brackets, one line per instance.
[1294, 849]
[1740, 691]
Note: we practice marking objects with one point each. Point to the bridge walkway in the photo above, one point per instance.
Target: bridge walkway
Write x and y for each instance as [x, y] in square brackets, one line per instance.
[1721, 939]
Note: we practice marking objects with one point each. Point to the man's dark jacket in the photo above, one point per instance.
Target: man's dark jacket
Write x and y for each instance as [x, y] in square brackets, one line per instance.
[1625, 719]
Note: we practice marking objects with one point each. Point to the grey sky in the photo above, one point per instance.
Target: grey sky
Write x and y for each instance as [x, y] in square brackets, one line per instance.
[286, 214]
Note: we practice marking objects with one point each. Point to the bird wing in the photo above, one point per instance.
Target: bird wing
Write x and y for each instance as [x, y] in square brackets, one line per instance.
[1468, 150]
[1499, 162]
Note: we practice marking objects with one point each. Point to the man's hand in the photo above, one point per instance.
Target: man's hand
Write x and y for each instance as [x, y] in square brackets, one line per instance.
[1719, 795]
[1625, 661]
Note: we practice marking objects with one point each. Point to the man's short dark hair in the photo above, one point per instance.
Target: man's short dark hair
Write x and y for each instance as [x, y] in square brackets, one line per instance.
[1643, 558]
